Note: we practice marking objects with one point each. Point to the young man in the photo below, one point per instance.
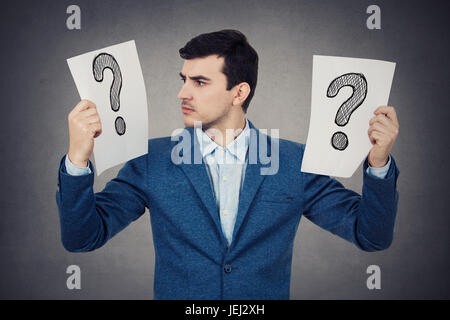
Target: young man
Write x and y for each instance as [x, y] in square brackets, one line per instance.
[221, 229]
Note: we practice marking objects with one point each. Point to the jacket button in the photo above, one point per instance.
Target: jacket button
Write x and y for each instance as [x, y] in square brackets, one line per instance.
[227, 268]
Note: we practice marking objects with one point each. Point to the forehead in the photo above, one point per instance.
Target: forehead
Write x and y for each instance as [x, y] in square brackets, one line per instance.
[210, 66]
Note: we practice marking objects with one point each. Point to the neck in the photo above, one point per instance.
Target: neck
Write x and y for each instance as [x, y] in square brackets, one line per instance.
[223, 134]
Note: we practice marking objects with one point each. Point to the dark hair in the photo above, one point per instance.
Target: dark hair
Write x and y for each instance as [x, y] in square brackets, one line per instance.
[241, 60]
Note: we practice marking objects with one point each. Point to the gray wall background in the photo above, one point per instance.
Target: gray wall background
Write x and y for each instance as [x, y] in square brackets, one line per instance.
[38, 93]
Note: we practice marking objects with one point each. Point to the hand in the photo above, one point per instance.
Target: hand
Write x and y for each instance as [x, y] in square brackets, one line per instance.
[382, 133]
[84, 126]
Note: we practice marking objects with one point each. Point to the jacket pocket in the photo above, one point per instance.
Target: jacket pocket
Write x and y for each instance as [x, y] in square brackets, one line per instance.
[277, 197]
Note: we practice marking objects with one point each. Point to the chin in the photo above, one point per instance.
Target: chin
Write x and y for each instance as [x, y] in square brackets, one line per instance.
[188, 122]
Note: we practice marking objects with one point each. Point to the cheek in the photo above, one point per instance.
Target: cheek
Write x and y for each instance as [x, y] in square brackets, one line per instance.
[218, 99]
[212, 102]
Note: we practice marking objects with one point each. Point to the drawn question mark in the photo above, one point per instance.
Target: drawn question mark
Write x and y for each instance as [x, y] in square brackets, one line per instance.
[106, 61]
[358, 83]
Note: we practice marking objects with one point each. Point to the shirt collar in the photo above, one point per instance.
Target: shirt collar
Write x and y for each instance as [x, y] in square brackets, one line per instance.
[238, 147]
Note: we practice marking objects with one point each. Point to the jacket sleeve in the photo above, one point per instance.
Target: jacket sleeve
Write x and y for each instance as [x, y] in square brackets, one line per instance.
[89, 220]
[366, 220]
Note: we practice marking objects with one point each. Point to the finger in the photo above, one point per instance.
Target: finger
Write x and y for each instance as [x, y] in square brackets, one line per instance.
[382, 119]
[376, 136]
[87, 113]
[379, 127]
[382, 109]
[83, 105]
[92, 119]
[96, 129]
[381, 133]
[385, 125]
[385, 121]
[389, 111]
[392, 114]
[372, 140]
[382, 138]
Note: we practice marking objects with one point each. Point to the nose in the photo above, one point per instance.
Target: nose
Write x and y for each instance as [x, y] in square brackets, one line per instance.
[184, 94]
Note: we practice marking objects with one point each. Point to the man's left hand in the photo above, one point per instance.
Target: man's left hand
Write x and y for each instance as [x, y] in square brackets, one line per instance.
[382, 132]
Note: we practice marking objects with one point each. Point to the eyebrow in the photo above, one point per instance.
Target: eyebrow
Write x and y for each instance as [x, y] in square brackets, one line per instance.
[196, 78]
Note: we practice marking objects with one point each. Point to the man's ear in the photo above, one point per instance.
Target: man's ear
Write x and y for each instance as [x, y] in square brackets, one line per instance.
[241, 92]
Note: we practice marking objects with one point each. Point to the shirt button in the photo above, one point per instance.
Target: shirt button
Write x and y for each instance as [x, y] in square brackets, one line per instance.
[225, 211]
[227, 268]
[224, 178]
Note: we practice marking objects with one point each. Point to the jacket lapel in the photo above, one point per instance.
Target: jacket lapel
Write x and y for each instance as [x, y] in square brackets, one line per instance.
[196, 172]
[253, 177]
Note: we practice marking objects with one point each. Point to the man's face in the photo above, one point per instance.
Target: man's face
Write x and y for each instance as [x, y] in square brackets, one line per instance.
[204, 96]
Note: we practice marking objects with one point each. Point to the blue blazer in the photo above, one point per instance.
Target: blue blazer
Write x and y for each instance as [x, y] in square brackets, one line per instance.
[192, 259]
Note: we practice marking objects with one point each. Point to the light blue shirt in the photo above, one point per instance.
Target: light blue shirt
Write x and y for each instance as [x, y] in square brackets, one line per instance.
[226, 170]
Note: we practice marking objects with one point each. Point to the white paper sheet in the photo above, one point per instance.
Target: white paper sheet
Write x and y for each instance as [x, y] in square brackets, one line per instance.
[129, 99]
[321, 157]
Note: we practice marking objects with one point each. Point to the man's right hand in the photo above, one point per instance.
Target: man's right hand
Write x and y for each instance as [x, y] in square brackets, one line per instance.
[84, 126]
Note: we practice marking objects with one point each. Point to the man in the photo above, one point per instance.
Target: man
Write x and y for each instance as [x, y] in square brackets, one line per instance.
[221, 229]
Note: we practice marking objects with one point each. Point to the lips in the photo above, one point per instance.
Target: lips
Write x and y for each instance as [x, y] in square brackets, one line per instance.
[186, 110]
